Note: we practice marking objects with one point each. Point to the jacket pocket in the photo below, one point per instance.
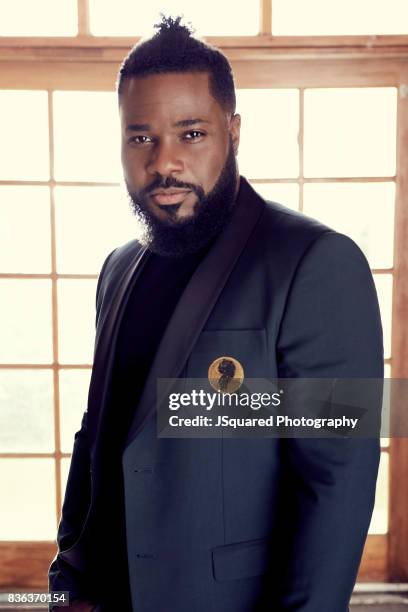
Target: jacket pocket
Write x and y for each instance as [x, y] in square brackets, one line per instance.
[240, 560]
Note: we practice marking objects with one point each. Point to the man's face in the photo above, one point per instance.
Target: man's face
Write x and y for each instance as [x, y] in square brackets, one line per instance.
[178, 156]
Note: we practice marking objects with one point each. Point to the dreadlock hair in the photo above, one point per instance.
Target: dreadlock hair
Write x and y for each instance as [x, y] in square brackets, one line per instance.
[174, 49]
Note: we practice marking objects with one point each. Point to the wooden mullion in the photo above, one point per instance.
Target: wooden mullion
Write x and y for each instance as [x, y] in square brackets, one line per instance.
[59, 183]
[57, 463]
[301, 145]
[40, 366]
[83, 18]
[398, 521]
[338, 179]
[33, 456]
[250, 49]
[52, 276]
[86, 40]
[265, 17]
[284, 72]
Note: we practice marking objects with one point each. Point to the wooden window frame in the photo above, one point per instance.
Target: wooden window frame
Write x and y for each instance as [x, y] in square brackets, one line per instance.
[85, 62]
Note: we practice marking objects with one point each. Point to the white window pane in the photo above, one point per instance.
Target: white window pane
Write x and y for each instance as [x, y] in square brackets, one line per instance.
[38, 18]
[27, 511]
[379, 519]
[363, 211]
[383, 283]
[320, 17]
[106, 222]
[73, 389]
[350, 132]
[283, 193]
[86, 136]
[27, 411]
[24, 146]
[76, 320]
[25, 324]
[25, 230]
[130, 18]
[269, 133]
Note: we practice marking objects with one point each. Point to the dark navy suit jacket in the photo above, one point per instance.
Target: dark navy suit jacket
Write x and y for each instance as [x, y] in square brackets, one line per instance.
[236, 525]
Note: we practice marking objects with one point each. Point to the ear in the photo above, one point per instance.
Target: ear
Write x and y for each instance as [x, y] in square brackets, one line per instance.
[235, 130]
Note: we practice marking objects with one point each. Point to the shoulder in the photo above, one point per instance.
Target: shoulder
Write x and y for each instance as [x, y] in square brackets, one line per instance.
[291, 236]
[290, 226]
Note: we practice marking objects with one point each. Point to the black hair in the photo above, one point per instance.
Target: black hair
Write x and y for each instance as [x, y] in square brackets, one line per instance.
[174, 49]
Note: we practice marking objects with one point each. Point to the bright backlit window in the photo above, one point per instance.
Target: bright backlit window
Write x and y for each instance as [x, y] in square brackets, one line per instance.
[135, 18]
[92, 217]
[38, 18]
[339, 17]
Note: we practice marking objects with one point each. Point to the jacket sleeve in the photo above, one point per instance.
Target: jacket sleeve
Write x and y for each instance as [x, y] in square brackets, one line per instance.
[62, 576]
[331, 329]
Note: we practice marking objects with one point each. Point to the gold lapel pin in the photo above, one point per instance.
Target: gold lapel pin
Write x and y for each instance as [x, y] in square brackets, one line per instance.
[226, 374]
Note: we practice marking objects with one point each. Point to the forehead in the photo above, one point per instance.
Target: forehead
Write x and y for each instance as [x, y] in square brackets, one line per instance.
[170, 96]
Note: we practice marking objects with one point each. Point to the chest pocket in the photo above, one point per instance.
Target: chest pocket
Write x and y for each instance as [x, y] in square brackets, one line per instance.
[248, 346]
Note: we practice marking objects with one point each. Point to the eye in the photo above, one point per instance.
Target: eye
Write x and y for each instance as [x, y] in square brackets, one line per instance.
[193, 135]
[139, 140]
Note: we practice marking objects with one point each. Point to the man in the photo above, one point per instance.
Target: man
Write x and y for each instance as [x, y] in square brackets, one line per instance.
[154, 524]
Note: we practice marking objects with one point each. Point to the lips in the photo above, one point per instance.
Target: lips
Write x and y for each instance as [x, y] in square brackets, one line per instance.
[169, 197]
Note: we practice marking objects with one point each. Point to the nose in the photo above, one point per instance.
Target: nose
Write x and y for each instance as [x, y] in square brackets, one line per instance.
[165, 159]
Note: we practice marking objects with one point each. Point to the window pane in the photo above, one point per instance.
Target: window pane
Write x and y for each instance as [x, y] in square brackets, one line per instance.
[38, 18]
[104, 208]
[27, 510]
[86, 136]
[25, 231]
[383, 283]
[27, 413]
[350, 132]
[269, 131]
[283, 193]
[73, 388]
[130, 18]
[363, 211]
[24, 147]
[76, 320]
[379, 519]
[25, 324]
[319, 17]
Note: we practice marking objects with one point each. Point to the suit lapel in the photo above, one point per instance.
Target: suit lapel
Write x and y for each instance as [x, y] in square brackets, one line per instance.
[197, 302]
[105, 345]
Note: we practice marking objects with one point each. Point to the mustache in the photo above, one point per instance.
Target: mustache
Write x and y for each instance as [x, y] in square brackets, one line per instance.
[169, 181]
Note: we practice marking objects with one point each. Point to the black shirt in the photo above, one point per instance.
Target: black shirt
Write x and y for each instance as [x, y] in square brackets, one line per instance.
[147, 313]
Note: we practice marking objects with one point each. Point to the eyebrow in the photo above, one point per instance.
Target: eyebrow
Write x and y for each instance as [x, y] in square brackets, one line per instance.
[140, 127]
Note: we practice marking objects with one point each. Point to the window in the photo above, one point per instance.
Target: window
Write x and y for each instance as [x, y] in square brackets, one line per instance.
[330, 122]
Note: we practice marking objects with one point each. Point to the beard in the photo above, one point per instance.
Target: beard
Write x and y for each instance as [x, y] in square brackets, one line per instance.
[212, 211]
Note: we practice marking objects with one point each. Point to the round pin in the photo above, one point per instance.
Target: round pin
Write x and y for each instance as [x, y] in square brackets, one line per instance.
[226, 374]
